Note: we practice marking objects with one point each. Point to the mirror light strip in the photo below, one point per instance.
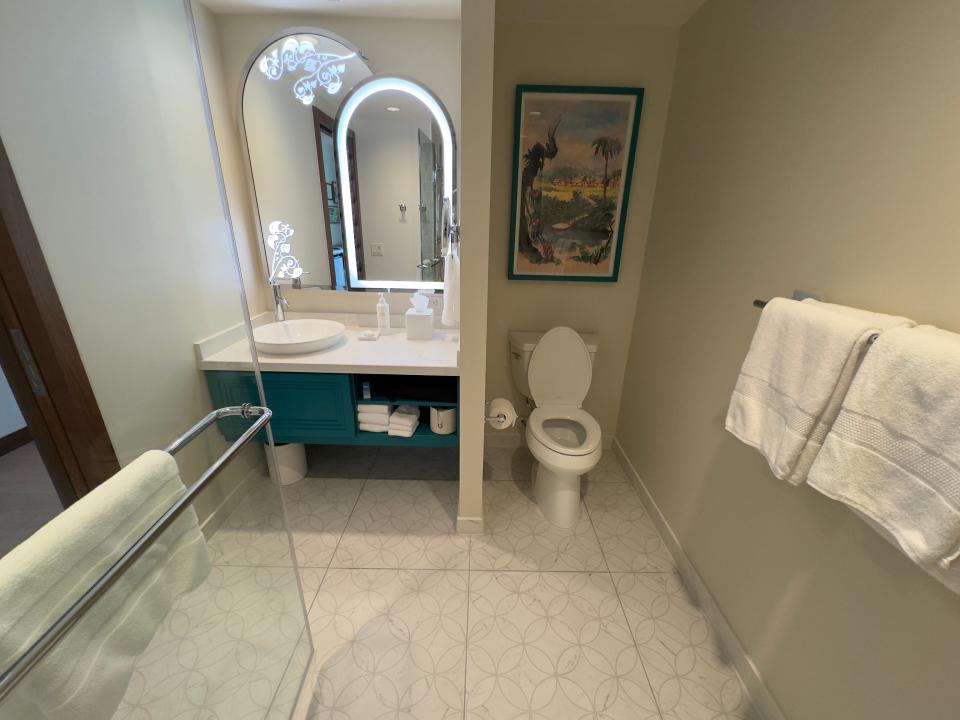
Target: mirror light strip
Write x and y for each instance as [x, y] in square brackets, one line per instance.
[360, 93]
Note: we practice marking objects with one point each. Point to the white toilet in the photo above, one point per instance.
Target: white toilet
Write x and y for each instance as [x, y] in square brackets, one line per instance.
[554, 370]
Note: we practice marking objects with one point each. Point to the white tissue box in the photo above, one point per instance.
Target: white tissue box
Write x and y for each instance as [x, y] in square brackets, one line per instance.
[419, 324]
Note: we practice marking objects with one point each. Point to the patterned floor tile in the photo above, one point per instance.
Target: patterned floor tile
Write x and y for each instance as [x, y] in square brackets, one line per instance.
[390, 644]
[416, 464]
[318, 510]
[629, 538]
[255, 533]
[222, 650]
[552, 645]
[310, 580]
[679, 650]
[340, 461]
[518, 537]
[608, 469]
[404, 524]
[512, 463]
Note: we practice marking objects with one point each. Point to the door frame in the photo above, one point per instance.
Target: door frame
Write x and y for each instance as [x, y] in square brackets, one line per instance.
[40, 357]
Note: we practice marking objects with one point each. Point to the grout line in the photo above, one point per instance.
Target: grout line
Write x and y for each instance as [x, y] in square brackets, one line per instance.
[623, 611]
[345, 526]
[466, 637]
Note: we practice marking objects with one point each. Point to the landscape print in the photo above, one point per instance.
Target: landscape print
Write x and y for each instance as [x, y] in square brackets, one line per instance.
[574, 153]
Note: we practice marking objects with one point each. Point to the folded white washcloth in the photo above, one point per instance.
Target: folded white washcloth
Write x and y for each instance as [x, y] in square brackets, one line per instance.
[374, 409]
[373, 418]
[405, 411]
[373, 427]
[402, 431]
[894, 451]
[87, 673]
[802, 359]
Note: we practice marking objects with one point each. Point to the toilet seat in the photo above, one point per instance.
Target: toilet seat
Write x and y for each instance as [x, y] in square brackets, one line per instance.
[564, 429]
[560, 369]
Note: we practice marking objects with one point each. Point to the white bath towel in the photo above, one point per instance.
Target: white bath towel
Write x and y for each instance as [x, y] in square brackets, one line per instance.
[801, 361]
[403, 431]
[894, 451]
[374, 409]
[87, 673]
[451, 286]
[374, 427]
[372, 418]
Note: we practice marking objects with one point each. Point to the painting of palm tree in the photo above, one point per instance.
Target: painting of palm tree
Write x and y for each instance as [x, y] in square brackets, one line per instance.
[573, 158]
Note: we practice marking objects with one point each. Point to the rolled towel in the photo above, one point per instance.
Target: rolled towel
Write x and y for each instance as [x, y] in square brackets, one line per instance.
[894, 451]
[801, 361]
[402, 431]
[374, 409]
[86, 674]
[372, 418]
[374, 427]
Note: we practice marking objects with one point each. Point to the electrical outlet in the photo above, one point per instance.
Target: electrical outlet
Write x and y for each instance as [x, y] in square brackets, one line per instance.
[435, 302]
[376, 249]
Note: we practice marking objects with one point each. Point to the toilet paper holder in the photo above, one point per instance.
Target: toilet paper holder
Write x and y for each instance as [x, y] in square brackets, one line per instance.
[499, 417]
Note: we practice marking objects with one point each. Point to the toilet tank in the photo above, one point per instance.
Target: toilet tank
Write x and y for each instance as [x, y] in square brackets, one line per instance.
[522, 344]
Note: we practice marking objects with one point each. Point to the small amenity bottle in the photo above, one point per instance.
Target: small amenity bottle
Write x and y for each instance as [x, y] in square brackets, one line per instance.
[383, 314]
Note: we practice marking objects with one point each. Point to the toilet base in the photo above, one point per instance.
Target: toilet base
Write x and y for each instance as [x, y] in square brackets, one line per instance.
[557, 494]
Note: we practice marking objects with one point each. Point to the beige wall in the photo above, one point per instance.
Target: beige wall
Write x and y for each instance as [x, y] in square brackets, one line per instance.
[592, 54]
[118, 176]
[428, 50]
[810, 145]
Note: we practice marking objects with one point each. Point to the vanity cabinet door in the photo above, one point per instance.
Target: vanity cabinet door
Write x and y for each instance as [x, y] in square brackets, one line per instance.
[309, 407]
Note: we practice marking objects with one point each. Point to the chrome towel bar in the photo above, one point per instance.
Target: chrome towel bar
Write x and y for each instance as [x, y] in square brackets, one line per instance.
[46, 642]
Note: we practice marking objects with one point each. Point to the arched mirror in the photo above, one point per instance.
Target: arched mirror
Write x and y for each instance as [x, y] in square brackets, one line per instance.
[396, 166]
[291, 94]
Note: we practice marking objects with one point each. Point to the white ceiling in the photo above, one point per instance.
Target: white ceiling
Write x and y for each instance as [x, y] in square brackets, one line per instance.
[649, 13]
[429, 9]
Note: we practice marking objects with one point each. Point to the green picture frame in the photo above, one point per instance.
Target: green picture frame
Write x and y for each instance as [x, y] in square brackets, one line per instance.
[573, 153]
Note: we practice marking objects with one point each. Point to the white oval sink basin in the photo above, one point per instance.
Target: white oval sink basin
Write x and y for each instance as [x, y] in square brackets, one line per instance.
[297, 337]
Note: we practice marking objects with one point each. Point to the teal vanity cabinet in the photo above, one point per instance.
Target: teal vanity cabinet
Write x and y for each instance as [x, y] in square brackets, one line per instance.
[321, 408]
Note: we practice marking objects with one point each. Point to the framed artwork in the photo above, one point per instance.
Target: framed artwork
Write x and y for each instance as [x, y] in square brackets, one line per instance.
[572, 162]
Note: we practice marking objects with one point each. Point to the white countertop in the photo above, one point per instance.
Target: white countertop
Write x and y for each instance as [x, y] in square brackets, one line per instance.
[391, 354]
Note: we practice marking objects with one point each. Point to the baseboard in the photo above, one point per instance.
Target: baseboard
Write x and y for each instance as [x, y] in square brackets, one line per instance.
[765, 707]
[215, 519]
[16, 439]
[469, 525]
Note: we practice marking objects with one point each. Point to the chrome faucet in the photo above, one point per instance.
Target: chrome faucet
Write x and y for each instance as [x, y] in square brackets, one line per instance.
[280, 301]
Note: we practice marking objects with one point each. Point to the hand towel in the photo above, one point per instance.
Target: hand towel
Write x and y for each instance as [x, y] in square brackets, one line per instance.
[374, 409]
[451, 286]
[373, 427]
[405, 417]
[372, 418]
[801, 361]
[87, 673]
[402, 431]
[894, 451]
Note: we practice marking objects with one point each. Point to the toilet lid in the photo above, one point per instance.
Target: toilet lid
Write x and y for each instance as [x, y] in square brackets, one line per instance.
[560, 370]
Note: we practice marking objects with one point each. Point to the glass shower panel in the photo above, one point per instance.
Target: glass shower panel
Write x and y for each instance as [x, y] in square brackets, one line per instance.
[104, 121]
[429, 250]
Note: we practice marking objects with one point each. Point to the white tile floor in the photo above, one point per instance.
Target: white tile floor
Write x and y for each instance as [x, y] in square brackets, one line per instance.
[411, 620]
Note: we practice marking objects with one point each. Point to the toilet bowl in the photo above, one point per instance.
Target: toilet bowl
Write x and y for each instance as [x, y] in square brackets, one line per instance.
[564, 439]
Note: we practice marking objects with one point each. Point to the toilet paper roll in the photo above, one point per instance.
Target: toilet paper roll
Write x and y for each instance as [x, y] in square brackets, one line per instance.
[501, 406]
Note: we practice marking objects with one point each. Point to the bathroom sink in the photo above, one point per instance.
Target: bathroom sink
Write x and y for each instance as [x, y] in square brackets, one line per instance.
[297, 337]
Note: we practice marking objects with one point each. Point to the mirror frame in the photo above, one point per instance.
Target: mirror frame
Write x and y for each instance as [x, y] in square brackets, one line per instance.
[363, 90]
[252, 60]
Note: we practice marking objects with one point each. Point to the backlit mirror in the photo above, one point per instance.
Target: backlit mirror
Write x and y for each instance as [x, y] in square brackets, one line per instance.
[290, 98]
[396, 164]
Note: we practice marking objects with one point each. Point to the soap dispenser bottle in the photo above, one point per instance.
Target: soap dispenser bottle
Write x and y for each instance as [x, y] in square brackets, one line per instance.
[383, 314]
